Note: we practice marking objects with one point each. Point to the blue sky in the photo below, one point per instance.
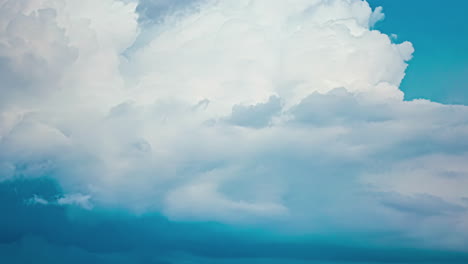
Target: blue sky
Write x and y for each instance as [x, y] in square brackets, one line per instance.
[439, 33]
[221, 132]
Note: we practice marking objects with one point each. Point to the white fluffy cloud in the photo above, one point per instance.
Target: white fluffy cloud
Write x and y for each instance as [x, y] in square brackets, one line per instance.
[245, 51]
[278, 112]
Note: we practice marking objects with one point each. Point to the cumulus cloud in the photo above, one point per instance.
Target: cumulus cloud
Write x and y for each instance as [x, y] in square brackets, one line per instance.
[244, 52]
[280, 113]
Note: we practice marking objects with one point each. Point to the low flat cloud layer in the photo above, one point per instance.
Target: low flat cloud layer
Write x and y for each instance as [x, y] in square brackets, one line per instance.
[283, 117]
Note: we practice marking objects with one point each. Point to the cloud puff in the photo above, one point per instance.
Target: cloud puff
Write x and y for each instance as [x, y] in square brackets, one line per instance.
[77, 199]
[259, 115]
[281, 114]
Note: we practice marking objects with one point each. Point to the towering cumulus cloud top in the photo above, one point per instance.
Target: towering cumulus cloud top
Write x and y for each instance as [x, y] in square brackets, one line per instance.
[285, 115]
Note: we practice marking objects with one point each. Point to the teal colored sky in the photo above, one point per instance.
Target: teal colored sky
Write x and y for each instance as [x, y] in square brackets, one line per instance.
[439, 33]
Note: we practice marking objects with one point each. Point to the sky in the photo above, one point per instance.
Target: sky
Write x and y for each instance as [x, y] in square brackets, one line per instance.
[439, 33]
[233, 131]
